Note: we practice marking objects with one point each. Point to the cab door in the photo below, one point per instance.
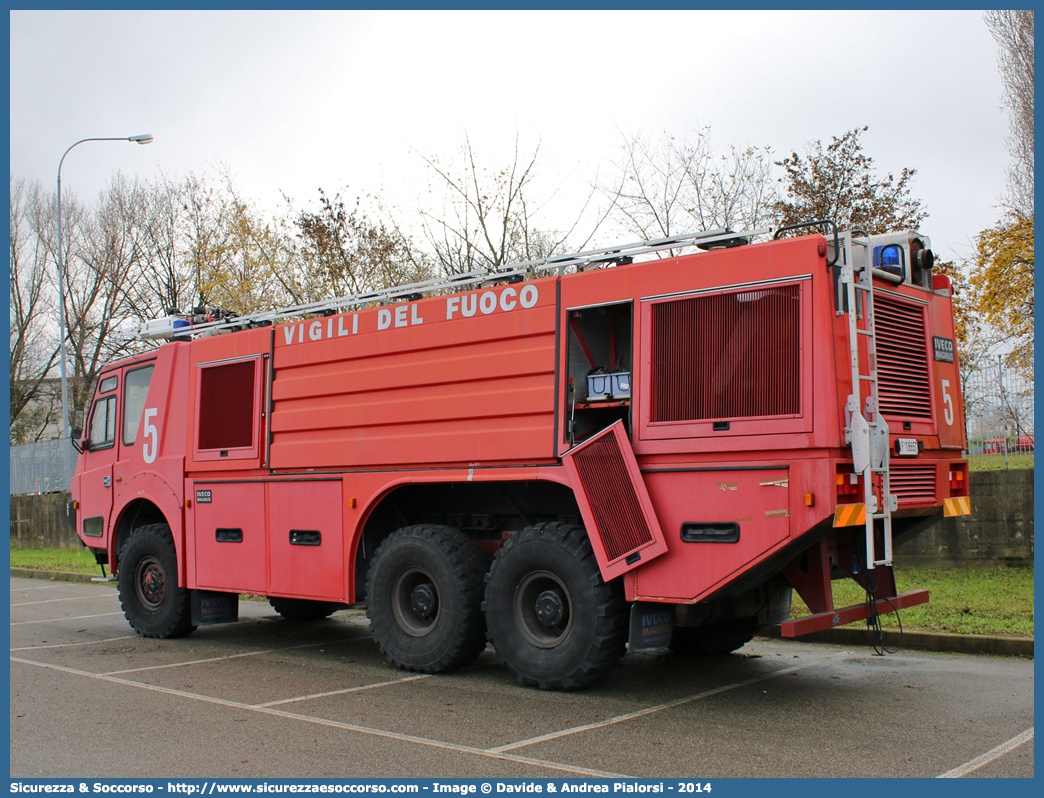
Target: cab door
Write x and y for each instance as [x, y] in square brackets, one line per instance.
[99, 455]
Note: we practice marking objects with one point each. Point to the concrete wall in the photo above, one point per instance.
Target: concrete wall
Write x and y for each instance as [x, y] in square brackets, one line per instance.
[998, 533]
[40, 522]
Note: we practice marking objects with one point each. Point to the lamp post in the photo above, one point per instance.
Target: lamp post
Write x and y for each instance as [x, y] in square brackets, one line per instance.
[144, 138]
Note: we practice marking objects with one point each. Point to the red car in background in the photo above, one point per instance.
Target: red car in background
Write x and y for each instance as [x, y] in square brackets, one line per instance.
[1023, 443]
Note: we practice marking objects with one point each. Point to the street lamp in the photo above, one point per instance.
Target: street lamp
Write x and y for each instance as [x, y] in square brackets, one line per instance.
[144, 138]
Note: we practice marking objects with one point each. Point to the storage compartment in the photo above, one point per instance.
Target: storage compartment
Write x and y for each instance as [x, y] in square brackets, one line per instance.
[598, 368]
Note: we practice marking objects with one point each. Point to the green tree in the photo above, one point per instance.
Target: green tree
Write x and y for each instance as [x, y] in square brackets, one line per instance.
[1002, 281]
[839, 183]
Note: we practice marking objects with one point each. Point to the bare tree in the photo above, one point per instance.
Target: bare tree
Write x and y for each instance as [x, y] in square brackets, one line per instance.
[206, 230]
[670, 186]
[333, 251]
[104, 259]
[34, 340]
[1013, 31]
[489, 217]
[165, 279]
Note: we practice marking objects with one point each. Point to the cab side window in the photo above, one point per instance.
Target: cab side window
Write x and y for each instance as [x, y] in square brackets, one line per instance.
[103, 416]
[135, 391]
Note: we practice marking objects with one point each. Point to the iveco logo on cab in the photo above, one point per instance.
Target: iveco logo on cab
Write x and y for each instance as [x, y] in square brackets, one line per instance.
[943, 349]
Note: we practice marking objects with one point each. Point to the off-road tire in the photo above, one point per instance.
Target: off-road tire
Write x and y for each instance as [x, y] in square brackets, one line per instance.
[582, 631]
[148, 582]
[304, 609]
[715, 638]
[424, 598]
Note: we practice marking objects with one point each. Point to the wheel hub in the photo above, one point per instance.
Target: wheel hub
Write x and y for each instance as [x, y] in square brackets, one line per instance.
[415, 602]
[151, 583]
[543, 609]
[549, 608]
[423, 600]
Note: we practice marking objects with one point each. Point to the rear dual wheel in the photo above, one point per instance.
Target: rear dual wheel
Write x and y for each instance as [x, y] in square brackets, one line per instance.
[424, 598]
[552, 619]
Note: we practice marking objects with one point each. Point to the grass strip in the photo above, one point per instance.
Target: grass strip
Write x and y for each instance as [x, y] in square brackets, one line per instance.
[967, 601]
[68, 561]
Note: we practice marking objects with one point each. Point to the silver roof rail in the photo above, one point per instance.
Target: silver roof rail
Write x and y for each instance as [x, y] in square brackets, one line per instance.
[165, 327]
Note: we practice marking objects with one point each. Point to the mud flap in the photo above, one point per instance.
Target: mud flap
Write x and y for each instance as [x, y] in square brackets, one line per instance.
[652, 624]
[211, 606]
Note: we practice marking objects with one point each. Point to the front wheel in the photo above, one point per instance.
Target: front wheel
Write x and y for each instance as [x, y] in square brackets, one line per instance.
[148, 581]
[552, 619]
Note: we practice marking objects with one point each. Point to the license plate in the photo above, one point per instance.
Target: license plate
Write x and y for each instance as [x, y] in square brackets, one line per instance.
[907, 447]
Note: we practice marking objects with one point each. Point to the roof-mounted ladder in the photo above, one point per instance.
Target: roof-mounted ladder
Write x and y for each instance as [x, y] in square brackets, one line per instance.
[865, 427]
[515, 272]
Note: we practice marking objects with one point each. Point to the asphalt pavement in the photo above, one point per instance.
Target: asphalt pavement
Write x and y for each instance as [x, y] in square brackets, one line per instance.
[265, 697]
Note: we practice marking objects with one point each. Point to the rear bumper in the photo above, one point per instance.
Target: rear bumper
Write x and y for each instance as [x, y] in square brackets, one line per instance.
[856, 612]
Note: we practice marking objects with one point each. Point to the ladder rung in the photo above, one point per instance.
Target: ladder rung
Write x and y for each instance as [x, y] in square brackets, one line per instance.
[865, 332]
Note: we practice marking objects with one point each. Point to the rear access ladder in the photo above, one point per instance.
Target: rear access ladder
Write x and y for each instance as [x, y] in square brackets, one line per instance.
[866, 430]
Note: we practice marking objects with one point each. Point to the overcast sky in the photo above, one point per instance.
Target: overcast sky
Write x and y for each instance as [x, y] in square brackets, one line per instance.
[291, 101]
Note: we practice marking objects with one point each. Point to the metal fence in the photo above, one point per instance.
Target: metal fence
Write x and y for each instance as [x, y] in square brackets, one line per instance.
[998, 409]
[43, 467]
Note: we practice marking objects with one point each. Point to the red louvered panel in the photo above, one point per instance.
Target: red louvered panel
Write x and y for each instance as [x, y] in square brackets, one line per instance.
[226, 405]
[913, 483]
[614, 502]
[902, 358]
[731, 355]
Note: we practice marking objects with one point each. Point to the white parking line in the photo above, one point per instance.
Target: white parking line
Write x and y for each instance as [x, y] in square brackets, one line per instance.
[658, 708]
[221, 658]
[989, 756]
[70, 645]
[70, 618]
[41, 587]
[333, 724]
[51, 601]
[345, 690]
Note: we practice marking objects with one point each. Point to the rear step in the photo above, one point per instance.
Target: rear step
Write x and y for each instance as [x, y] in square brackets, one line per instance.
[856, 612]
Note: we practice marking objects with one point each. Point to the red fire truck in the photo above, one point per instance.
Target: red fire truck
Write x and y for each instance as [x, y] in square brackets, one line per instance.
[629, 451]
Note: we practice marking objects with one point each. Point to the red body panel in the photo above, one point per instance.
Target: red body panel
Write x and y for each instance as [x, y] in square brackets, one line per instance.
[435, 387]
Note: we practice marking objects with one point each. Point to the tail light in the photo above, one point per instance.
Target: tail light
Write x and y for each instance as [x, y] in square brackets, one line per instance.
[959, 479]
[848, 484]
